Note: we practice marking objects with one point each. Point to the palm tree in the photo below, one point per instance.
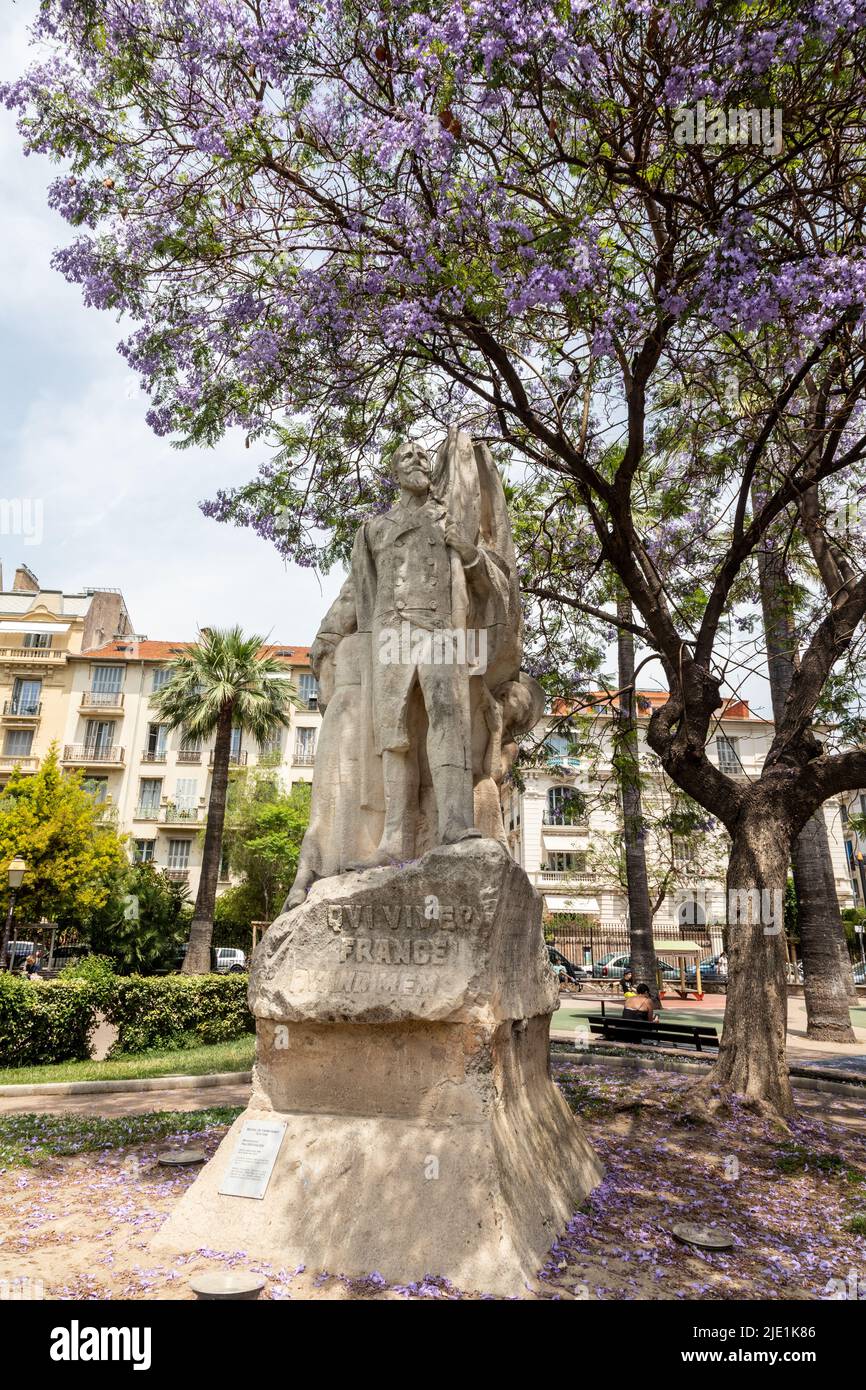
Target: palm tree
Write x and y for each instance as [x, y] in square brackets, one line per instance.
[222, 683]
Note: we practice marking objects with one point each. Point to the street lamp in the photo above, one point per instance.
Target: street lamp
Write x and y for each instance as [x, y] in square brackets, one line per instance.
[17, 870]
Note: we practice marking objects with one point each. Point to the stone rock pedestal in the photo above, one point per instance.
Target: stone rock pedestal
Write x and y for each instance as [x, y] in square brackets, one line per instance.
[402, 1028]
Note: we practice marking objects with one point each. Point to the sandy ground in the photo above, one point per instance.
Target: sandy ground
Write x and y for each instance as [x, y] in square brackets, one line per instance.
[81, 1225]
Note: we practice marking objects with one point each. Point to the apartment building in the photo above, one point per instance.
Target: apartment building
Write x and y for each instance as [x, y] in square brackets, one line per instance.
[155, 784]
[41, 630]
[564, 823]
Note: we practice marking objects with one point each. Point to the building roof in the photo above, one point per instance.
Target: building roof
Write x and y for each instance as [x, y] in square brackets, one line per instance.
[647, 700]
[143, 649]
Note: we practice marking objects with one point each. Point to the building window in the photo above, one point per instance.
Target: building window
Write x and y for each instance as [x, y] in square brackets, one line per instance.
[178, 854]
[726, 752]
[154, 747]
[161, 676]
[142, 851]
[565, 806]
[305, 746]
[272, 749]
[308, 689]
[98, 734]
[38, 639]
[18, 743]
[26, 696]
[566, 862]
[98, 788]
[186, 794]
[107, 680]
[235, 750]
[683, 854]
[149, 792]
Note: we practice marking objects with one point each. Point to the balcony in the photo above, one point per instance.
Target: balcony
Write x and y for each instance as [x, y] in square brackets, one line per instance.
[176, 875]
[157, 757]
[146, 812]
[25, 711]
[303, 759]
[556, 820]
[30, 654]
[180, 815]
[85, 755]
[578, 877]
[106, 701]
[189, 755]
[235, 759]
[21, 760]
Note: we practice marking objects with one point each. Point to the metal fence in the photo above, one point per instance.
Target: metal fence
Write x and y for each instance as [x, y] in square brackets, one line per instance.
[589, 943]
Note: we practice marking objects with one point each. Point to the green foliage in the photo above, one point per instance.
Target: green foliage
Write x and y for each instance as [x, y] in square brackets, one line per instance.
[73, 860]
[46, 1022]
[98, 973]
[262, 841]
[791, 911]
[178, 1011]
[147, 923]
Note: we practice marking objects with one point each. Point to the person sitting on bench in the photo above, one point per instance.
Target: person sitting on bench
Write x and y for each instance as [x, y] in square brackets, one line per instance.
[640, 1006]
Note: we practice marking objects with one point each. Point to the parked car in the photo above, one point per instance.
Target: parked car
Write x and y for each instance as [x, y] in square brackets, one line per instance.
[224, 960]
[19, 951]
[613, 967]
[575, 973]
[228, 960]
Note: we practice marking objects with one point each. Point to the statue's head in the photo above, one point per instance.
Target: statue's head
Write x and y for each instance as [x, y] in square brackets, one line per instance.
[410, 465]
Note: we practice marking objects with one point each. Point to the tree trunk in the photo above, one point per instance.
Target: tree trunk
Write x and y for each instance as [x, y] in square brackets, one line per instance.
[198, 956]
[641, 949]
[827, 978]
[752, 1061]
[822, 937]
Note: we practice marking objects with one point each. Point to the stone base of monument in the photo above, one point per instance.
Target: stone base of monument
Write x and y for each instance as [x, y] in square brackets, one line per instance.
[402, 1025]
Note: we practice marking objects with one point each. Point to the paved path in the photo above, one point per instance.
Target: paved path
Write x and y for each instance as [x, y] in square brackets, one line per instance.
[711, 1009]
[128, 1102]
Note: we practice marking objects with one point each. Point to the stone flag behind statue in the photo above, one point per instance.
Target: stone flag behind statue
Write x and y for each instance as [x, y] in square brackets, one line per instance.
[403, 997]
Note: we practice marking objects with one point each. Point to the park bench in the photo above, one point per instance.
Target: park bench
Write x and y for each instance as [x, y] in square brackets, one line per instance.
[616, 1029]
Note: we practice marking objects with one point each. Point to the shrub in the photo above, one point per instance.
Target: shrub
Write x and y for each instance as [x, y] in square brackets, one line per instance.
[46, 1022]
[178, 1011]
[96, 971]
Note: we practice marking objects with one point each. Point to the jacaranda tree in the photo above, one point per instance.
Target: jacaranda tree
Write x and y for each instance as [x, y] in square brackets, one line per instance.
[329, 222]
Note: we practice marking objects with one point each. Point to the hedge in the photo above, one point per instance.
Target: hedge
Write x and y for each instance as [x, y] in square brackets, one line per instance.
[163, 1011]
[47, 1022]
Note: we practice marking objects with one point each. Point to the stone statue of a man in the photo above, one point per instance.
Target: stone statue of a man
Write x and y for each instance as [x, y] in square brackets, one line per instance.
[399, 591]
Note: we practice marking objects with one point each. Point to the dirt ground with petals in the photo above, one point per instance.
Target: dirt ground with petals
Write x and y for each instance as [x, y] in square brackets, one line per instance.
[795, 1204]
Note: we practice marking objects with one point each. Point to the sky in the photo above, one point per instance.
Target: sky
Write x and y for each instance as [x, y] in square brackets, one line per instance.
[118, 505]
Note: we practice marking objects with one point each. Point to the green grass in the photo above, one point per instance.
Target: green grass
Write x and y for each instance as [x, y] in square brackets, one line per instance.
[26, 1140]
[796, 1159]
[237, 1055]
[857, 1224]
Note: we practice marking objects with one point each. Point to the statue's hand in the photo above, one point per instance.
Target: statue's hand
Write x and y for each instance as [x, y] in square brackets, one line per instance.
[465, 549]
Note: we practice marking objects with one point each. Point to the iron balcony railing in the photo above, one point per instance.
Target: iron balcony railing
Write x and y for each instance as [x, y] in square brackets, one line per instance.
[22, 709]
[179, 815]
[102, 699]
[189, 755]
[86, 753]
[235, 759]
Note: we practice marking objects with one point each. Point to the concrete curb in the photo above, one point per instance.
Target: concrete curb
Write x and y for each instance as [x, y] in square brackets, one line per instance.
[143, 1083]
